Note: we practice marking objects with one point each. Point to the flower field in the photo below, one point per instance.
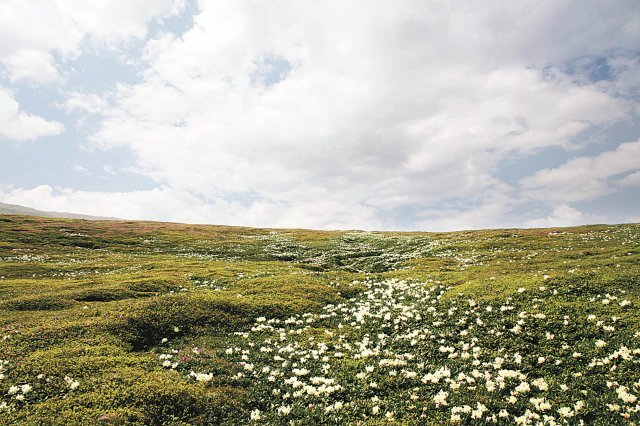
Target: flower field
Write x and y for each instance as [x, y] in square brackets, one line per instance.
[149, 323]
[408, 352]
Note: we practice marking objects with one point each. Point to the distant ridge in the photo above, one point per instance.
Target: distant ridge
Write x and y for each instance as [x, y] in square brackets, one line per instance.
[27, 211]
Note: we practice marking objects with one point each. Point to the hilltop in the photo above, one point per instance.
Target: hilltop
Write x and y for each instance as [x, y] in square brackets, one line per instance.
[122, 322]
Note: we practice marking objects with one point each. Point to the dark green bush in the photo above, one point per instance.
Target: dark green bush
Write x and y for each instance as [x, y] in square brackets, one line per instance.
[107, 294]
[38, 303]
[156, 319]
[141, 398]
[151, 286]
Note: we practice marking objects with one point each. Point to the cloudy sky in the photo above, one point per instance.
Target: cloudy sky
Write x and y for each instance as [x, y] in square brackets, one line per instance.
[412, 115]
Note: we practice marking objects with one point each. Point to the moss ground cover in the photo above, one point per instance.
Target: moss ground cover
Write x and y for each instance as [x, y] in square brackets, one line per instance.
[114, 322]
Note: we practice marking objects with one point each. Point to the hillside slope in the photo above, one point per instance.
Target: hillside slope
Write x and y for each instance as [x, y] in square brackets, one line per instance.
[118, 322]
[14, 209]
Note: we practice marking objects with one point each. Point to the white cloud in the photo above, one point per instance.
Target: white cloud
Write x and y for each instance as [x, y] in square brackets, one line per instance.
[562, 215]
[413, 105]
[31, 32]
[20, 126]
[630, 180]
[410, 105]
[35, 65]
[169, 204]
[627, 76]
[584, 178]
[490, 210]
[84, 103]
[80, 169]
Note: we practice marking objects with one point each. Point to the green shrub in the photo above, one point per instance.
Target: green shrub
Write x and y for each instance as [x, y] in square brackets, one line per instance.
[134, 396]
[173, 315]
[107, 294]
[38, 303]
[151, 286]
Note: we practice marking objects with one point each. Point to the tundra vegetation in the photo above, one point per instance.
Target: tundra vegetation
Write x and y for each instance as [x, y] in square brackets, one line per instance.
[116, 322]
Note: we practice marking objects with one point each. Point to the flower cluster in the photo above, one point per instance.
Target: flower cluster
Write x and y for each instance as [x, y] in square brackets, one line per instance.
[411, 351]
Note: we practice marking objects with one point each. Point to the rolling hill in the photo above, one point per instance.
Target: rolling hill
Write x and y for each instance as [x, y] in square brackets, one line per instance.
[14, 209]
[121, 322]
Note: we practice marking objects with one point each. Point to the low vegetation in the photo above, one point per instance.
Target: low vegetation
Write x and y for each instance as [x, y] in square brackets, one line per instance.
[115, 322]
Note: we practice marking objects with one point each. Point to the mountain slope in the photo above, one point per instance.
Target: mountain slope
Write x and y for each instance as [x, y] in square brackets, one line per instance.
[27, 211]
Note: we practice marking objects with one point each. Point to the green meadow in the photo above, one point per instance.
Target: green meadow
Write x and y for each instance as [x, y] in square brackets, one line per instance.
[123, 322]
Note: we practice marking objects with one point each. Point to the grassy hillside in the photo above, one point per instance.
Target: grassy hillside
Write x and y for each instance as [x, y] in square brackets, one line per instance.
[114, 322]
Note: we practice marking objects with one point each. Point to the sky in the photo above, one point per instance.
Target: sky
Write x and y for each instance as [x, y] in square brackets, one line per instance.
[376, 115]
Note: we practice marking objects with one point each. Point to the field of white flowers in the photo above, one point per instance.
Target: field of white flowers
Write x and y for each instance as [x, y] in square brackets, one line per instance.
[408, 351]
[141, 323]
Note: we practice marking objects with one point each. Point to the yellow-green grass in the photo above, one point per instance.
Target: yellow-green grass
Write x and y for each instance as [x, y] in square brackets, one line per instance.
[90, 300]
